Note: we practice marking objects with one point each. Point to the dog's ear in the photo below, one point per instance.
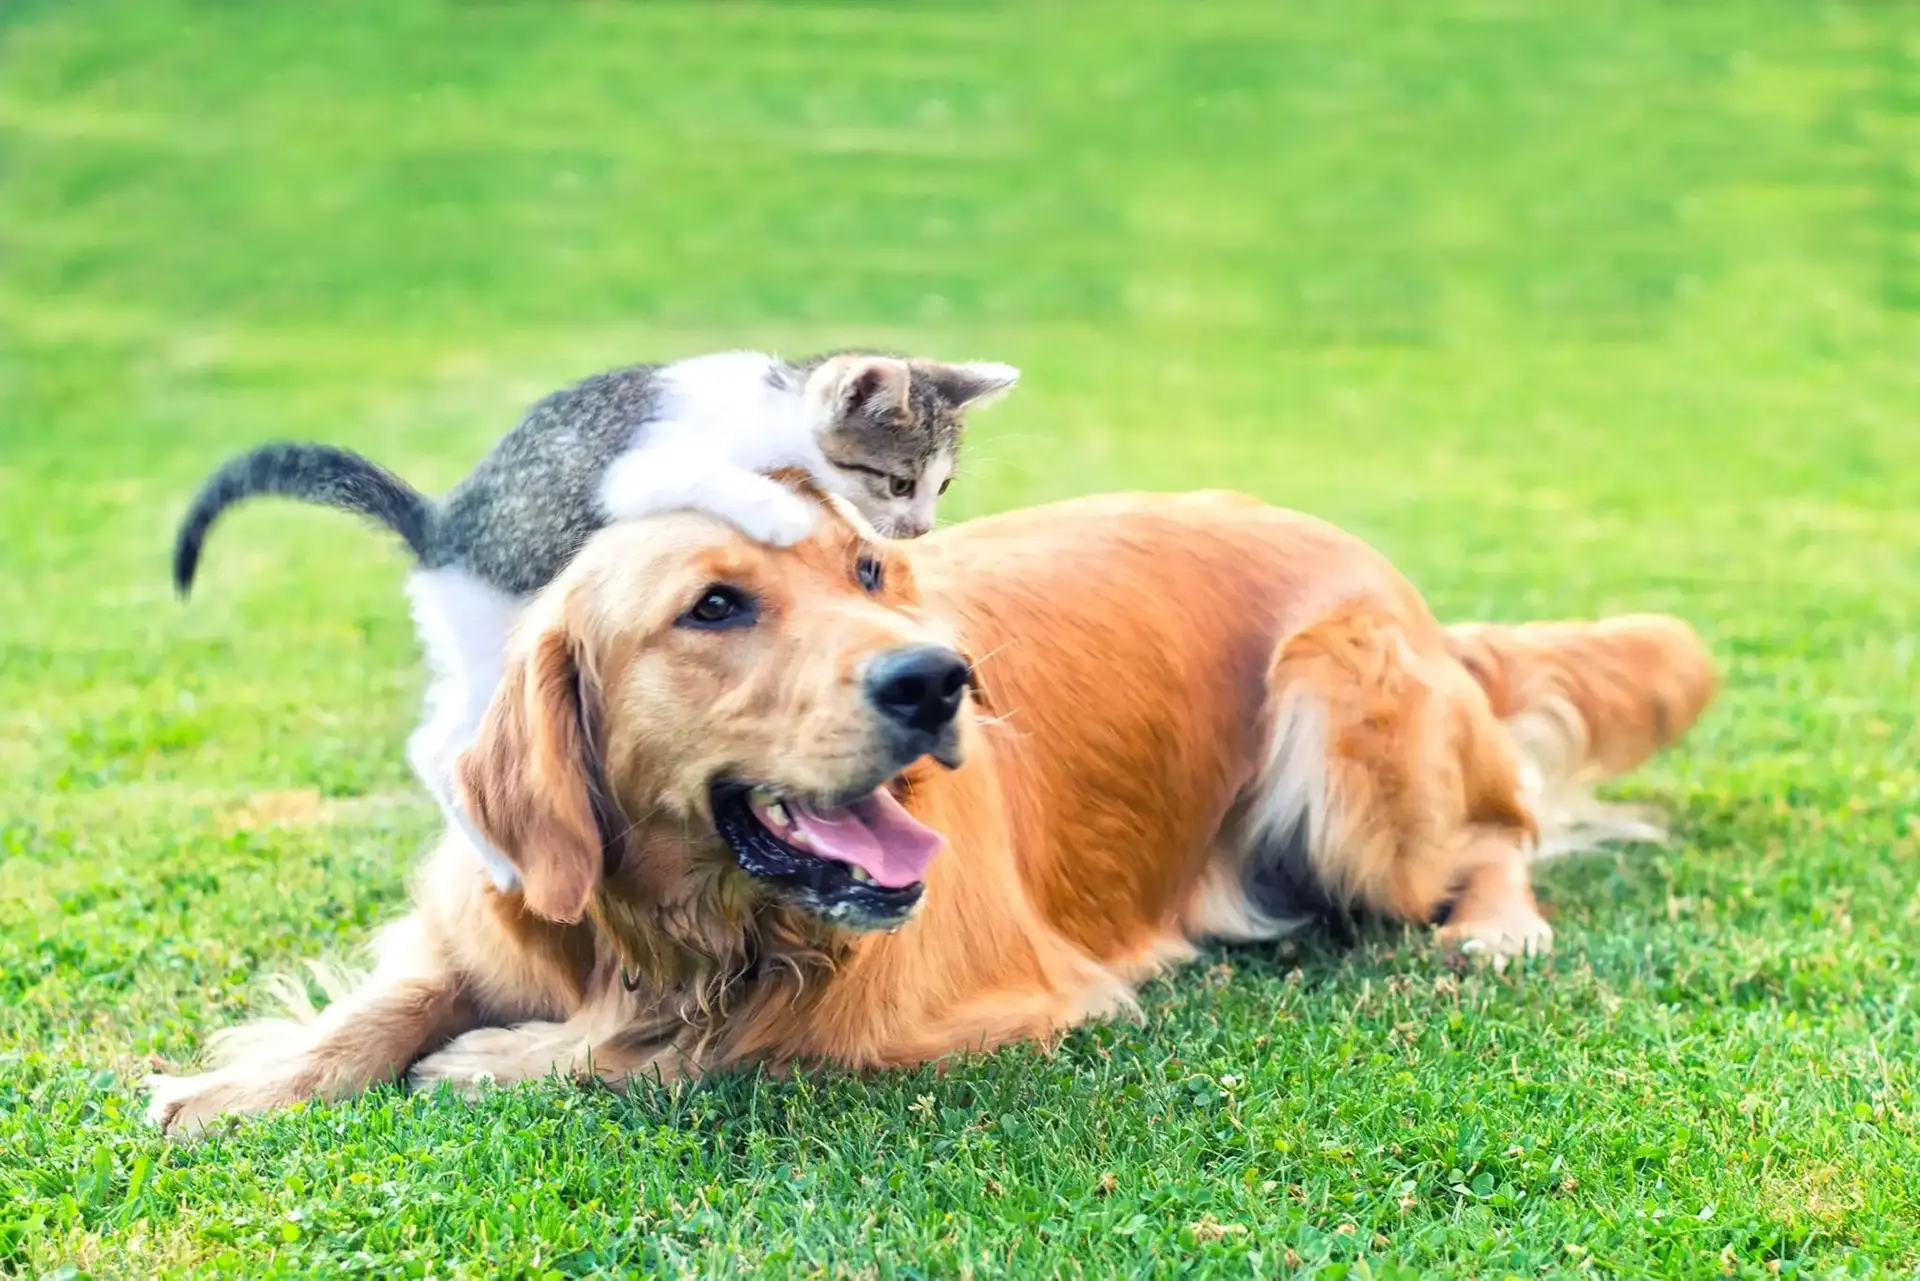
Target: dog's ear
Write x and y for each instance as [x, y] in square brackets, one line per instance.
[533, 784]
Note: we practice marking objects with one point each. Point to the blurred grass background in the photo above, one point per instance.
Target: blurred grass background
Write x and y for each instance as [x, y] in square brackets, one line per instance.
[1568, 308]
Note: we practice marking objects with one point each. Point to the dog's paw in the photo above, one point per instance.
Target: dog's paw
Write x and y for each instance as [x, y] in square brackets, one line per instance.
[1499, 939]
[185, 1107]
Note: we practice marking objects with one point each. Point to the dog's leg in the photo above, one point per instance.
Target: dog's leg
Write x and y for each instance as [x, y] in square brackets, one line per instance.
[1390, 785]
[592, 1046]
[367, 1034]
[1494, 910]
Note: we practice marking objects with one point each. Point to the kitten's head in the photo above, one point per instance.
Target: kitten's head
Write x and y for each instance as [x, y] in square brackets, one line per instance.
[890, 429]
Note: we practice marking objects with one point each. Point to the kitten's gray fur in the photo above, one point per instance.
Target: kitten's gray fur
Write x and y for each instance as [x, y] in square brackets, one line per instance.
[519, 517]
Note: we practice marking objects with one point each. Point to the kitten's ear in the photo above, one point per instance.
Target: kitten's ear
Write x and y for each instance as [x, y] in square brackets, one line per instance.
[532, 780]
[973, 385]
[875, 386]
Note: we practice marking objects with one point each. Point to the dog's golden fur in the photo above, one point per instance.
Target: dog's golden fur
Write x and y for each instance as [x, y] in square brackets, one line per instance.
[1199, 717]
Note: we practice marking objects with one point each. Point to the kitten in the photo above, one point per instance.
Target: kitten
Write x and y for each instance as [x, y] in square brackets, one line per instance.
[881, 431]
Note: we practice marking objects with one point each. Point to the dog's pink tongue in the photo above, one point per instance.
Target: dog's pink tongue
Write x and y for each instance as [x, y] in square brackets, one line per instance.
[875, 833]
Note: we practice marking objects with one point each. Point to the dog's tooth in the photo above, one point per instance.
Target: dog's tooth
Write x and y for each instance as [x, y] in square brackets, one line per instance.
[794, 837]
[861, 875]
[777, 813]
[762, 797]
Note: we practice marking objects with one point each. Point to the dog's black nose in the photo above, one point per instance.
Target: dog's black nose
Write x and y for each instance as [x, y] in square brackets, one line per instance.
[920, 688]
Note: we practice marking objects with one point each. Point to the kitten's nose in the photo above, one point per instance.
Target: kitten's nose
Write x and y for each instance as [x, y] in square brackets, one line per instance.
[911, 527]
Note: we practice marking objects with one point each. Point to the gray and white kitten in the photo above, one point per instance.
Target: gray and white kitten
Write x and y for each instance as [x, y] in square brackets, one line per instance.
[881, 431]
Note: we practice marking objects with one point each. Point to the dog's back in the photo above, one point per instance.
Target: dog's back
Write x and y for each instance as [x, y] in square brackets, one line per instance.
[1318, 741]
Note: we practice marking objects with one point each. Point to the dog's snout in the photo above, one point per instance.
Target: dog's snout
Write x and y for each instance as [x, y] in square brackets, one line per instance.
[920, 688]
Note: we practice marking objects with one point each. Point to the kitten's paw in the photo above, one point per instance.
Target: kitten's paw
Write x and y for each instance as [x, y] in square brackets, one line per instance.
[644, 484]
[781, 521]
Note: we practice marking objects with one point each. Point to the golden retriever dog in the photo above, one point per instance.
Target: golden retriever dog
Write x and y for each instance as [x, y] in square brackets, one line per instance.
[868, 804]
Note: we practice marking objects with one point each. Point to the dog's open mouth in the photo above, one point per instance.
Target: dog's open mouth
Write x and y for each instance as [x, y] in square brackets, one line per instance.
[861, 865]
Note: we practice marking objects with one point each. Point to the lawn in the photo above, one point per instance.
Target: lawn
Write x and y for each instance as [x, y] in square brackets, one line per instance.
[1569, 308]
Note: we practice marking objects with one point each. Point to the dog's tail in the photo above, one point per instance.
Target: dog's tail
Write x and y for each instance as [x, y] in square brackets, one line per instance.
[320, 474]
[1586, 702]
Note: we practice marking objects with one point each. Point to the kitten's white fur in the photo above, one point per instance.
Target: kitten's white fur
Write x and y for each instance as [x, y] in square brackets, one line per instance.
[463, 624]
[724, 419]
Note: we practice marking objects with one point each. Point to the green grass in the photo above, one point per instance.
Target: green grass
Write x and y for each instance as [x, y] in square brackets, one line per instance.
[1570, 308]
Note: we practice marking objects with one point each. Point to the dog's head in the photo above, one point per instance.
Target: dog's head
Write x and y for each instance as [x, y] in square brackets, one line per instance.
[713, 716]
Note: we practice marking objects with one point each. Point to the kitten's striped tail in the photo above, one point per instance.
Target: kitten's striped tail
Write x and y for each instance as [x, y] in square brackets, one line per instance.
[321, 474]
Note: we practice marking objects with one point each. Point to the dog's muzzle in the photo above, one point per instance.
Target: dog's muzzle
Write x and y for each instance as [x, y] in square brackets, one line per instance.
[918, 692]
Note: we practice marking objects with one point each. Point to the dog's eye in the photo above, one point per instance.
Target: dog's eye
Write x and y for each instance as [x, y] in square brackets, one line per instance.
[873, 575]
[900, 486]
[720, 606]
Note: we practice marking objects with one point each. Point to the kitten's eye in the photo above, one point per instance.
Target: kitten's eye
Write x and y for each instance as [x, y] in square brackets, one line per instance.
[720, 607]
[900, 486]
[873, 575]
[946, 484]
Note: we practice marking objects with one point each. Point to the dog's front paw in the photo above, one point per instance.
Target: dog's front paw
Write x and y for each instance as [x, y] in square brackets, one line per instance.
[185, 1107]
[1499, 939]
[491, 1056]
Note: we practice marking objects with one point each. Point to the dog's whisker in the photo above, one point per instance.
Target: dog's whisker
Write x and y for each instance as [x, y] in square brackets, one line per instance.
[997, 649]
[1005, 719]
[635, 825]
